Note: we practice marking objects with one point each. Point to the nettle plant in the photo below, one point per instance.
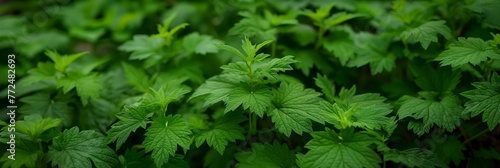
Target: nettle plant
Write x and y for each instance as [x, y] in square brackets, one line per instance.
[314, 84]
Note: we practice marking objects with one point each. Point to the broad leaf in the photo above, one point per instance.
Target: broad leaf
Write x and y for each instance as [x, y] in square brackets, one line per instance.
[217, 88]
[74, 149]
[34, 125]
[326, 86]
[143, 47]
[294, 108]
[427, 33]
[130, 120]
[414, 157]
[163, 136]
[42, 104]
[87, 86]
[347, 149]
[199, 44]
[467, 50]
[373, 50]
[258, 98]
[451, 150]
[485, 99]
[440, 111]
[225, 130]
[274, 155]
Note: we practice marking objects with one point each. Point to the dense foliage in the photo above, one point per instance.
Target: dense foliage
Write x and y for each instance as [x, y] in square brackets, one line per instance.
[252, 83]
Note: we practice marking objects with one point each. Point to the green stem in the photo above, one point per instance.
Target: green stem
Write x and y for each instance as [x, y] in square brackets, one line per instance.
[254, 123]
[250, 125]
[273, 48]
[320, 37]
[39, 160]
[488, 69]
[476, 136]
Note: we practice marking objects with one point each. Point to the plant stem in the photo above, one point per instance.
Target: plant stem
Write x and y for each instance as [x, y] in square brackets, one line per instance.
[476, 136]
[320, 37]
[273, 48]
[39, 160]
[254, 123]
[252, 129]
[488, 70]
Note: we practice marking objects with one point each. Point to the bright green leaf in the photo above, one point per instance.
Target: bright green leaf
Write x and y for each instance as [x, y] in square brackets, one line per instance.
[294, 108]
[427, 33]
[346, 149]
[274, 155]
[467, 50]
[163, 136]
[485, 99]
[74, 149]
[225, 130]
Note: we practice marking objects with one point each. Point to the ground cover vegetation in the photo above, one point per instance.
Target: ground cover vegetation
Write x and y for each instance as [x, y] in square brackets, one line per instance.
[252, 83]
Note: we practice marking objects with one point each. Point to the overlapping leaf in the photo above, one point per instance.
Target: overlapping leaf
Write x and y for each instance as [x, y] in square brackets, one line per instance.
[294, 108]
[225, 130]
[163, 136]
[274, 155]
[74, 149]
[485, 99]
[345, 149]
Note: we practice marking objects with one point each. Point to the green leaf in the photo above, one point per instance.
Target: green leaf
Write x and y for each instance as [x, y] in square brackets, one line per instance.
[347, 149]
[294, 108]
[271, 68]
[373, 50]
[81, 149]
[442, 111]
[217, 88]
[27, 153]
[253, 25]
[414, 157]
[450, 150]
[163, 136]
[427, 33]
[136, 77]
[231, 50]
[137, 159]
[282, 20]
[62, 62]
[320, 13]
[303, 34]
[87, 86]
[467, 50]
[340, 17]
[266, 155]
[367, 110]
[171, 92]
[130, 120]
[42, 104]
[441, 80]
[199, 44]
[43, 71]
[326, 86]
[341, 45]
[485, 99]
[487, 10]
[225, 130]
[30, 45]
[35, 125]
[239, 68]
[367, 117]
[258, 98]
[143, 47]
